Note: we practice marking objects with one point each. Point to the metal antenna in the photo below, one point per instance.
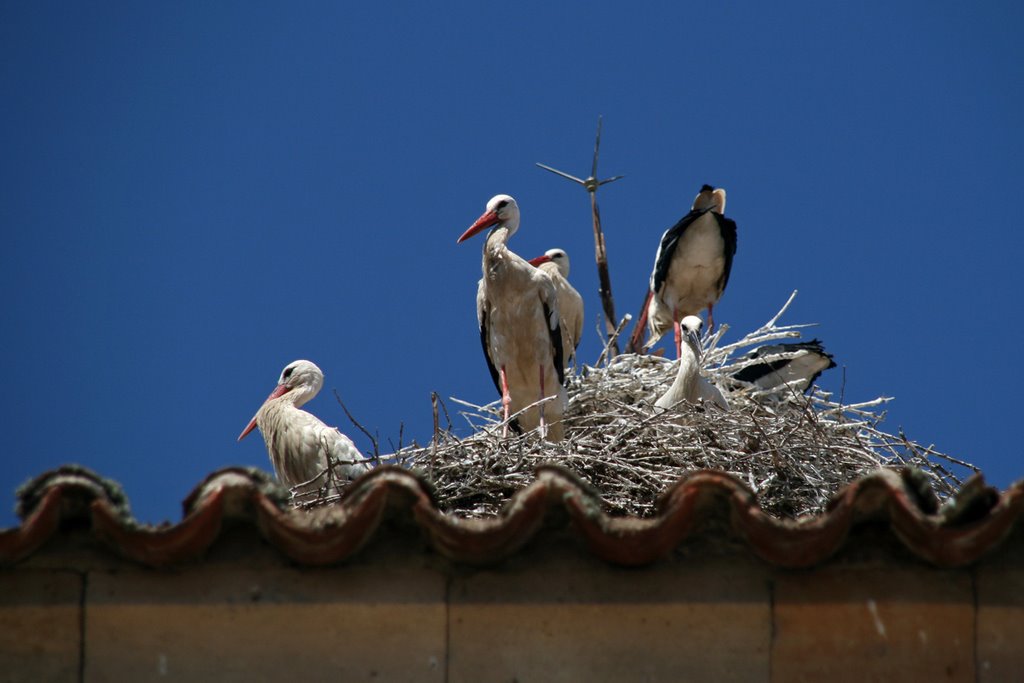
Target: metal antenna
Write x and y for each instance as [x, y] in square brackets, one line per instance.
[600, 253]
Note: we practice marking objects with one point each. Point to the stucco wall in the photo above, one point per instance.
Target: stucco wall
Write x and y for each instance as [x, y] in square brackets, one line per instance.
[551, 612]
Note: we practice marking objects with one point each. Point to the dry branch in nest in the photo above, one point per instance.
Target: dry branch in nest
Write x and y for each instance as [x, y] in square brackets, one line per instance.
[793, 450]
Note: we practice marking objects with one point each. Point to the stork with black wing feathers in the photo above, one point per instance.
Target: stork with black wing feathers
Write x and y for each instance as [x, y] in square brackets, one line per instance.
[691, 269]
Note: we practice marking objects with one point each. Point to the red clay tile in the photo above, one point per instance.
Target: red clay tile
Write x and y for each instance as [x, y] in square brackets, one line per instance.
[966, 529]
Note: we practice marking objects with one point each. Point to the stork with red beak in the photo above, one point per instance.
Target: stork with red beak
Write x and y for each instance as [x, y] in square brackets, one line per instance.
[691, 268]
[555, 262]
[299, 444]
[517, 309]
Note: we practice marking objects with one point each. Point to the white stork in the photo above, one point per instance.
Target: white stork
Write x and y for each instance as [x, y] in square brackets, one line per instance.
[517, 308]
[798, 364]
[689, 385]
[299, 444]
[555, 262]
[691, 268]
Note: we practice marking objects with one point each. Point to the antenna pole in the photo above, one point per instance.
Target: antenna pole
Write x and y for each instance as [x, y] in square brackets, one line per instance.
[591, 184]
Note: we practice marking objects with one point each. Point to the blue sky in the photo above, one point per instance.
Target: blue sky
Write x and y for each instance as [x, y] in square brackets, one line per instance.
[193, 196]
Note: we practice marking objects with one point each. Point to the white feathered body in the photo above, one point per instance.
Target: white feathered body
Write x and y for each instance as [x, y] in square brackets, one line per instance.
[694, 276]
[511, 300]
[300, 445]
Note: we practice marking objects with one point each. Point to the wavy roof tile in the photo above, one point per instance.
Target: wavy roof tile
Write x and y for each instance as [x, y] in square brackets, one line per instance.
[963, 530]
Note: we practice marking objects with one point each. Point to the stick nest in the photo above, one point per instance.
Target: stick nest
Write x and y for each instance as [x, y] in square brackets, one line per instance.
[795, 451]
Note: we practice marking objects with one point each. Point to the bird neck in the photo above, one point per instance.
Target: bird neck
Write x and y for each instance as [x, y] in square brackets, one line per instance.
[552, 270]
[496, 245]
[686, 376]
[297, 397]
[500, 234]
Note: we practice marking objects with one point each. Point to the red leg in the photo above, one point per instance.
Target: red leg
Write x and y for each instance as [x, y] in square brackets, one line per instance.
[711, 320]
[678, 332]
[636, 340]
[543, 426]
[506, 401]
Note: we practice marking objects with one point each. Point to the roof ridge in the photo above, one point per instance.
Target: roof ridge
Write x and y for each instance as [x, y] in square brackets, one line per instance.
[970, 524]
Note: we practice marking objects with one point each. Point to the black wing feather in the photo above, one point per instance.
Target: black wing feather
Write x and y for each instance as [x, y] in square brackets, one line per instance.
[727, 227]
[556, 343]
[487, 353]
[495, 375]
[752, 373]
[667, 248]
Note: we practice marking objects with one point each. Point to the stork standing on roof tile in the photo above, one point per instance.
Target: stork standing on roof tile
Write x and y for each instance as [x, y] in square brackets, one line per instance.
[299, 444]
[797, 364]
[555, 262]
[517, 309]
[689, 385]
[691, 268]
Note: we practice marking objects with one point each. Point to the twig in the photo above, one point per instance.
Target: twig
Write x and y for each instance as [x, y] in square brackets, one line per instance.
[612, 340]
[437, 434]
[371, 437]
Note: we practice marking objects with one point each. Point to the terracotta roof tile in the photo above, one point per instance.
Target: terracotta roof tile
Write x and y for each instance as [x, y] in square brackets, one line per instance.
[959, 533]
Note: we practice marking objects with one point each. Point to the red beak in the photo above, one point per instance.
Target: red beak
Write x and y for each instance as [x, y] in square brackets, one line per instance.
[537, 260]
[485, 221]
[279, 390]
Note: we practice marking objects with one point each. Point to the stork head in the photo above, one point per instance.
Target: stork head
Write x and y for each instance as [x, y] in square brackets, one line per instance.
[710, 198]
[691, 326]
[556, 256]
[300, 379]
[502, 211]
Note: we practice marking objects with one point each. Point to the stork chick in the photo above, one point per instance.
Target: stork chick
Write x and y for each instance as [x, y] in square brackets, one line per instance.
[299, 444]
[517, 311]
[689, 386]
